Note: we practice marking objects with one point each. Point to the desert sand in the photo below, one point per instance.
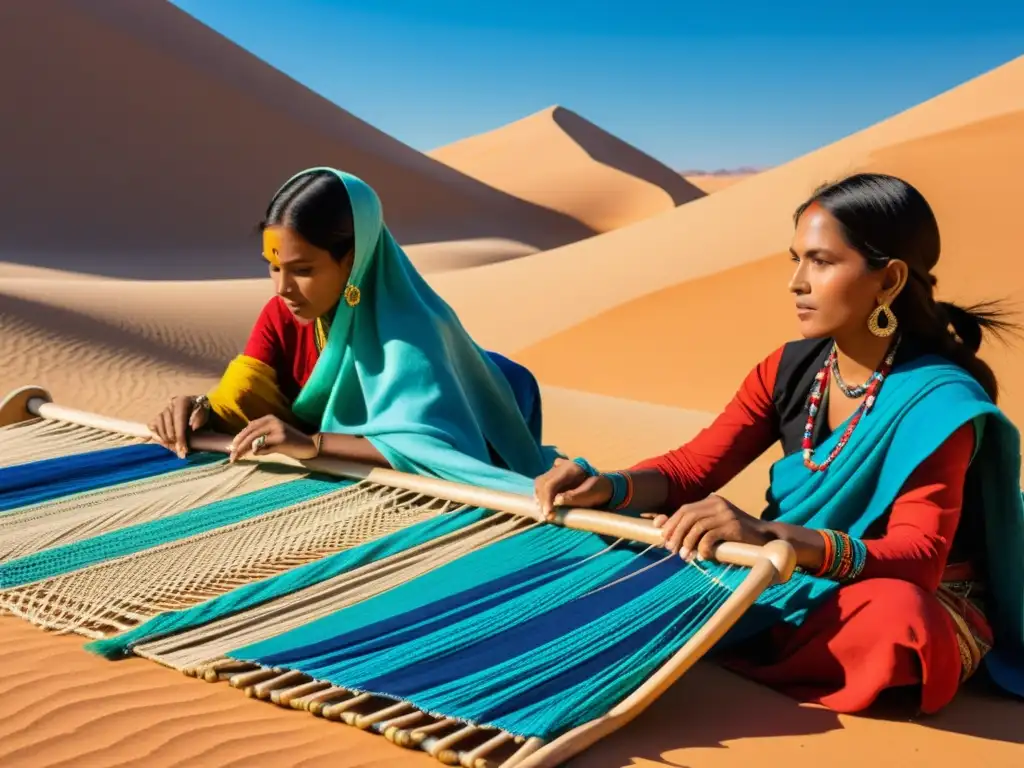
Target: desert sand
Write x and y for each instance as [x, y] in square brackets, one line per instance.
[559, 160]
[126, 277]
[167, 140]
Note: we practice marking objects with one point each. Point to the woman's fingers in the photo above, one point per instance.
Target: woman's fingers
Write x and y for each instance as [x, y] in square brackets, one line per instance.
[671, 523]
[242, 444]
[708, 542]
[198, 418]
[683, 525]
[167, 425]
[561, 478]
[691, 541]
[157, 428]
[592, 492]
[181, 407]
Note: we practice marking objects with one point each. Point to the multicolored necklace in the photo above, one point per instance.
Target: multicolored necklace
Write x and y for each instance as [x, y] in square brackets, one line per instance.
[851, 392]
[814, 405]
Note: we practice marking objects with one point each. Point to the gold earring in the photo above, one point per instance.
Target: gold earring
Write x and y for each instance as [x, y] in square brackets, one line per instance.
[352, 295]
[890, 322]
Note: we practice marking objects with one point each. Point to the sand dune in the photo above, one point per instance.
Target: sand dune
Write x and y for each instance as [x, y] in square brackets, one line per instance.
[682, 302]
[715, 182]
[741, 224]
[675, 336]
[559, 160]
[101, 344]
[147, 145]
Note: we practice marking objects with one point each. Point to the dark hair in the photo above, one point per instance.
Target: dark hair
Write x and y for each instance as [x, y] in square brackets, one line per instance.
[317, 206]
[883, 218]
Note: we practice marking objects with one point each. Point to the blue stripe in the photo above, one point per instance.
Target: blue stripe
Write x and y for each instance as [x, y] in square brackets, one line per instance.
[49, 479]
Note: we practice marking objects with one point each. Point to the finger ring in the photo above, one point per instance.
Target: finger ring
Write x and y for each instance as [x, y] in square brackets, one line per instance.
[259, 442]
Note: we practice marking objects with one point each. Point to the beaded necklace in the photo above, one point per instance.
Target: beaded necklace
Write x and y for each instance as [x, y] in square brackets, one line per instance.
[851, 392]
[814, 405]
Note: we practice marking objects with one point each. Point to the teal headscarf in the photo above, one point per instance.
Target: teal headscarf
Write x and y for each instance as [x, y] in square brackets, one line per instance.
[400, 370]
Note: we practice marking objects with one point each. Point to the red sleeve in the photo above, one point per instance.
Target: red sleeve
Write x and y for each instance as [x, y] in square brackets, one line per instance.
[742, 432]
[924, 517]
[265, 340]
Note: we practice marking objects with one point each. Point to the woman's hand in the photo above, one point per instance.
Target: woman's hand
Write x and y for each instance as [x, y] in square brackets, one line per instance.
[172, 425]
[567, 485]
[271, 435]
[697, 528]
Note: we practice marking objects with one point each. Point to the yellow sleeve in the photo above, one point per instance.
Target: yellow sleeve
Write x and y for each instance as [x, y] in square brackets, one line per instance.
[247, 391]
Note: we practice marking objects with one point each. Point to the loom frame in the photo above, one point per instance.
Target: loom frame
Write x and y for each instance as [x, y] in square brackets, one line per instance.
[770, 564]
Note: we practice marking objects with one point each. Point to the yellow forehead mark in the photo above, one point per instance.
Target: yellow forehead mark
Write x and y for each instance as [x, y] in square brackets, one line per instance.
[271, 247]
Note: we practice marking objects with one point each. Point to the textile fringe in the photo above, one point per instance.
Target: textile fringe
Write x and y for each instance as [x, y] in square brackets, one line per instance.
[56, 523]
[40, 439]
[115, 595]
[451, 741]
[192, 650]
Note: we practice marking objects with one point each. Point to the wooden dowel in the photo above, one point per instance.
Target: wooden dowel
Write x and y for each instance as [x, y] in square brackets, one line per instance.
[225, 668]
[418, 735]
[605, 523]
[244, 679]
[288, 679]
[532, 745]
[286, 696]
[365, 721]
[476, 758]
[389, 728]
[333, 711]
[441, 748]
[315, 702]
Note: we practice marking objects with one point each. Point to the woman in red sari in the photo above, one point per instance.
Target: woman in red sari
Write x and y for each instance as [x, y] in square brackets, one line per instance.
[910, 611]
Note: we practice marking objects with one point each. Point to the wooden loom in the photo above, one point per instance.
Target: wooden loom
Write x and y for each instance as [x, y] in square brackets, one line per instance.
[467, 745]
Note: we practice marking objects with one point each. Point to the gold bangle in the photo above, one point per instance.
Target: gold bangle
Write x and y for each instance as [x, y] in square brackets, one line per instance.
[318, 438]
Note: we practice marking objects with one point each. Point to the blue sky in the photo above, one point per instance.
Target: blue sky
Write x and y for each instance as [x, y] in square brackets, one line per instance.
[695, 84]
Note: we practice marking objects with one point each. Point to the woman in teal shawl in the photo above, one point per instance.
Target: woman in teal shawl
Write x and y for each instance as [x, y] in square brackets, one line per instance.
[899, 487]
[356, 357]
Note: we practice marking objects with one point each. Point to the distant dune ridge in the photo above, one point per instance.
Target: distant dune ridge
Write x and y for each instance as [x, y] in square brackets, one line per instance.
[714, 182]
[144, 144]
[559, 160]
[638, 301]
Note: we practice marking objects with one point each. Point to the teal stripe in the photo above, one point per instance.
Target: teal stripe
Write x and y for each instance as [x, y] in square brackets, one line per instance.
[136, 538]
[258, 592]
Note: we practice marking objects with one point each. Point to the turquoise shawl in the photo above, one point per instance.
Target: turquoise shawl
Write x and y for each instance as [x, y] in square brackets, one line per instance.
[400, 369]
[922, 403]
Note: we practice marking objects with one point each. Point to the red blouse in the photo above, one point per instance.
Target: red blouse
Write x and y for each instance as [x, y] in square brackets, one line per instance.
[923, 520]
[286, 345]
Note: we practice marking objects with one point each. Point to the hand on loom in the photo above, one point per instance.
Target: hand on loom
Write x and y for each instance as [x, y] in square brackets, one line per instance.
[567, 485]
[172, 425]
[696, 528]
[271, 435]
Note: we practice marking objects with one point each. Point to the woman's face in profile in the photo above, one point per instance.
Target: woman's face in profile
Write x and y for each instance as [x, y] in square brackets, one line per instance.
[307, 278]
[833, 288]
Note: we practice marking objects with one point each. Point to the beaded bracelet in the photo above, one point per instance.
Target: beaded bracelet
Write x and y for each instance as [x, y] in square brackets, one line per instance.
[622, 490]
[844, 558]
[622, 483]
